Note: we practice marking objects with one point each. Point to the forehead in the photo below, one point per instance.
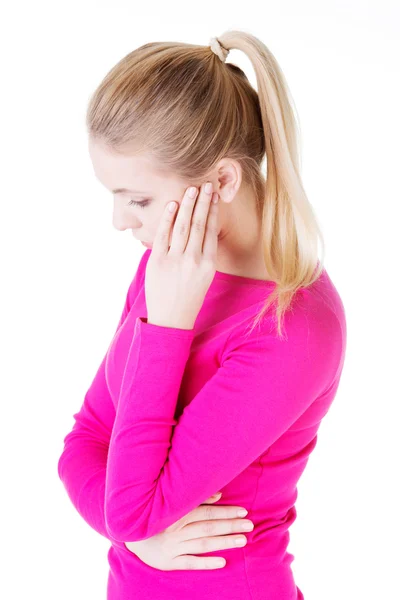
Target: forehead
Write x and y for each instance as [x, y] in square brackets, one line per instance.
[117, 170]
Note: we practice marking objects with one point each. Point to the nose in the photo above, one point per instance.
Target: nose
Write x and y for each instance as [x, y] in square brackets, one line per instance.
[119, 227]
[123, 220]
[122, 223]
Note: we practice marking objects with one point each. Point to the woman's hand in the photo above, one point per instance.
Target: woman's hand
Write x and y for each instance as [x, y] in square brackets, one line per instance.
[202, 530]
[177, 279]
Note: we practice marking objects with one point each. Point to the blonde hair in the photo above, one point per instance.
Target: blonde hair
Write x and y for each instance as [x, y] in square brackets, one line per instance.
[188, 108]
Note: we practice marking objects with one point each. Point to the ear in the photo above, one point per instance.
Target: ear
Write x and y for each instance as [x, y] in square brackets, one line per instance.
[228, 179]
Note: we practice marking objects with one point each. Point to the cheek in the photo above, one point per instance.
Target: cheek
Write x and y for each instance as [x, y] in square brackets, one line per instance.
[152, 218]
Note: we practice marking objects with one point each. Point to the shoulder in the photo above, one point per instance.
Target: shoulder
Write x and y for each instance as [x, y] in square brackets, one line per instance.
[313, 336]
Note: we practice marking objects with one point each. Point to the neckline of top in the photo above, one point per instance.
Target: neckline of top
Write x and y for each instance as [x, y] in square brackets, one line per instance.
[241, 279]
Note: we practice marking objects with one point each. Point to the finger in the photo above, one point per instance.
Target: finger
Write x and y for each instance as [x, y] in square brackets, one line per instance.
[206, 512]
[213, 498]
[199, 220]
[187, 562]
[215, 527]
[211, 543]
[161, 239]
[181, 229]
[210, 245]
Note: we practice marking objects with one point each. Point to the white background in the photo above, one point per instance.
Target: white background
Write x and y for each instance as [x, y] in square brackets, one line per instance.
[66, 270]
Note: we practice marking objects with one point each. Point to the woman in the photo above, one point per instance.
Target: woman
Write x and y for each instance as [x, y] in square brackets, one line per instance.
[191, 397]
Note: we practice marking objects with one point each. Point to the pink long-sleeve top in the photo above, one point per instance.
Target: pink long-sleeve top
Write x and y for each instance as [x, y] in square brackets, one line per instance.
[174, 415]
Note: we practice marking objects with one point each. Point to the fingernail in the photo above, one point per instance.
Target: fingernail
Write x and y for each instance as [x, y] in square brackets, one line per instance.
[208, 188]
[242, 512]
[240, 541]
[192, 192]
[171, 206]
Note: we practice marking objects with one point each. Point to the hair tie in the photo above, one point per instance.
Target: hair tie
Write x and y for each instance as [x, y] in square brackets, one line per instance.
[218, 49]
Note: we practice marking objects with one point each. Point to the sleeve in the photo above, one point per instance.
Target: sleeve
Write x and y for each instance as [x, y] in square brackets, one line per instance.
[159, 468]
[82, 464]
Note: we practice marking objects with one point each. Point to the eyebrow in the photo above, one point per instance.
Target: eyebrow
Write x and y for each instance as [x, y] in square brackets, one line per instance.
[126, 191]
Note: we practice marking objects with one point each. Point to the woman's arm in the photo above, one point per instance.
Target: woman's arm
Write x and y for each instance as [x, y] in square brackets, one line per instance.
[82, 464]
[160, 469]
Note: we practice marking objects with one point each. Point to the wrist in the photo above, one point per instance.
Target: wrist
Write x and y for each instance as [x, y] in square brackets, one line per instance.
[169, 323]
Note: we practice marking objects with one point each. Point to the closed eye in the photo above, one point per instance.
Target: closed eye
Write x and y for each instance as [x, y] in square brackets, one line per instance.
[141, 204]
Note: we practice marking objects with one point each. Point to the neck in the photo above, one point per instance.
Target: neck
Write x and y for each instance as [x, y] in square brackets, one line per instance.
[240, 247]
